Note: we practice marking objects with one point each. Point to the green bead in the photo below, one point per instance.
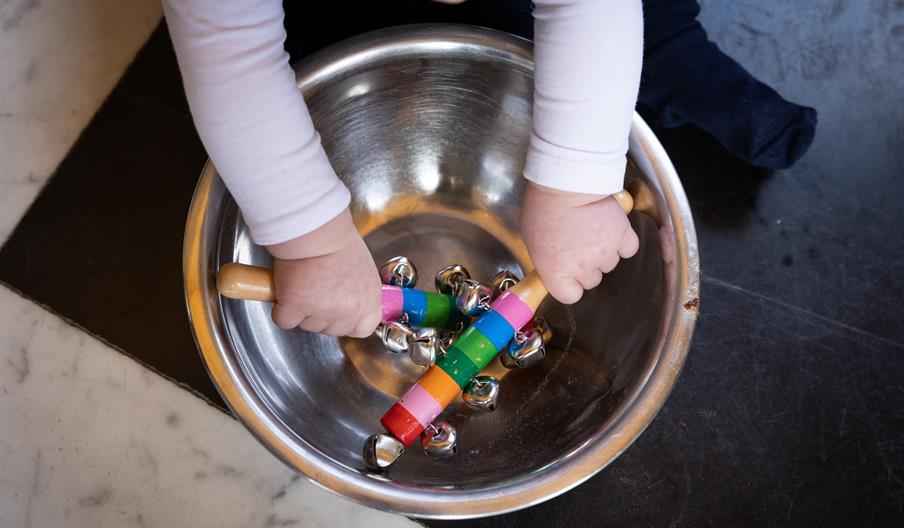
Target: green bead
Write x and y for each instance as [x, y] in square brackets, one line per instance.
[458, 366]
[441, 312]
[438, 307]
[476, 346]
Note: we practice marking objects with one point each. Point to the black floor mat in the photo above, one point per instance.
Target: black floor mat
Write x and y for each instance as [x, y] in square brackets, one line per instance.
[102, 243]
[789, 408]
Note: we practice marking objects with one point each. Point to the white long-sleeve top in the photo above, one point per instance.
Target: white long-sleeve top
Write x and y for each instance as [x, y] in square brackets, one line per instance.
[256, 128]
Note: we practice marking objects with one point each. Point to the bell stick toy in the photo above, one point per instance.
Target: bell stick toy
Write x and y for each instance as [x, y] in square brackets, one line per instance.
[421, 308]
[467, 356]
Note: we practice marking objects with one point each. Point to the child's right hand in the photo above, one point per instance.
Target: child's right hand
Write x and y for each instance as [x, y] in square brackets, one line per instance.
[573, 239]
[327, 282]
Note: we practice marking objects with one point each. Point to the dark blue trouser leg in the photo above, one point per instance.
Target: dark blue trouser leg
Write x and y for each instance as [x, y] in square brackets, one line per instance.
[687, 79]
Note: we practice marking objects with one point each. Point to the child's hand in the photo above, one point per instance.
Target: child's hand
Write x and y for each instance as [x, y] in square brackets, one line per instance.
[326, 281]
[574, 238]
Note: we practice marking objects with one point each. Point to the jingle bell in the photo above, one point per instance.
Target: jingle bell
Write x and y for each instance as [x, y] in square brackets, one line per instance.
[525, 350]
[426, 347]
[481, 393]
[449, 279]
[541, 325]
[474, 297]
[447, 337]
[396, 336]
[381, 451]
[439, 439]
[502, 281]
[399, 271]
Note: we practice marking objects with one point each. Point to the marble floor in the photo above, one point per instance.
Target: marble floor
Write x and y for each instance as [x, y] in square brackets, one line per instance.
[92, 438]
[59, 62]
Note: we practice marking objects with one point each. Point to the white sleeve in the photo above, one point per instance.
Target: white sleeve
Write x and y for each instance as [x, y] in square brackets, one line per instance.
[251, 116]
[588, 56]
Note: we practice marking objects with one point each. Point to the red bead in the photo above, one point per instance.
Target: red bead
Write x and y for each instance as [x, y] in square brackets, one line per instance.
[402, 425]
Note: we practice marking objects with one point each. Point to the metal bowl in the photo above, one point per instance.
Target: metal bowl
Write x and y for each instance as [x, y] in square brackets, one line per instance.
[428, 127]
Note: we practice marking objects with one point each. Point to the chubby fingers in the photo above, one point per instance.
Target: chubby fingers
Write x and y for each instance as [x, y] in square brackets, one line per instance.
[566, 290]
[569, 288]
[358, 325]
[314, 324]
[591, 278]
[629, 244]
[354, 323]
[287, 316]
[366, 326]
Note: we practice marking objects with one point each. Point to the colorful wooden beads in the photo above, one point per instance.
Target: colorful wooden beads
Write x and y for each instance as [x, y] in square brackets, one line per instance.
[467, 356]
[423, 309]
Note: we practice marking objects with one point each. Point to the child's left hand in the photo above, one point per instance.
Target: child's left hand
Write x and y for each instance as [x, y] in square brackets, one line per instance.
[573, 239]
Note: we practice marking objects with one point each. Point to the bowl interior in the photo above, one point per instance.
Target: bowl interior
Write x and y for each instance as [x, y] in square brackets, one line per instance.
[431, 143]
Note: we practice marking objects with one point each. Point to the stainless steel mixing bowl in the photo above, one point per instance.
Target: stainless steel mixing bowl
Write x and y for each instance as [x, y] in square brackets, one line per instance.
[428, 127]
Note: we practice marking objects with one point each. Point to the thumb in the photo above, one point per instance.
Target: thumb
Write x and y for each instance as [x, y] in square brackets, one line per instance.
[566, 290]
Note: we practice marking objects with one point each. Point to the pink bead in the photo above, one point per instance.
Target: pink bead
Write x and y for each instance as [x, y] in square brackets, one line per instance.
[421, 405]
[513, 310]
[392, 301]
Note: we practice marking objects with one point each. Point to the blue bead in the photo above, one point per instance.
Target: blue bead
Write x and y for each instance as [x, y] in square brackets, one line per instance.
[414, 303]
[495, 328]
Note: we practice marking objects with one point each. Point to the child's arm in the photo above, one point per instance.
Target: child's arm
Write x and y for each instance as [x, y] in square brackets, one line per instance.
[257, 130]
[251, 115]
[588, 57]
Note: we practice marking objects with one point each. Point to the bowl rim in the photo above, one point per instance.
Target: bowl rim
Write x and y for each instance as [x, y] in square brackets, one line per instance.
[634, 415]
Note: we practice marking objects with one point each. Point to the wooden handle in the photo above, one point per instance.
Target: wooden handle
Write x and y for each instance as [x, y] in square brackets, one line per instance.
[531, 290]
[625, 200]
[244, 282]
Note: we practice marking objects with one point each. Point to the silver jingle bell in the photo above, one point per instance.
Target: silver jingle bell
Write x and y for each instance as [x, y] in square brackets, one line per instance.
[482, 393]
[382, 450]
[426, 347]
[439, 439]
[396, 336]
[474, 297]
[525, 350]
[502, 281]
[541, 325]
[447, 337]
[449, 279]
[399, 271]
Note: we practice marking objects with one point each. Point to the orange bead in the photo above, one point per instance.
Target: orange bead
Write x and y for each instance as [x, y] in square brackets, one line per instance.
[440, 385]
